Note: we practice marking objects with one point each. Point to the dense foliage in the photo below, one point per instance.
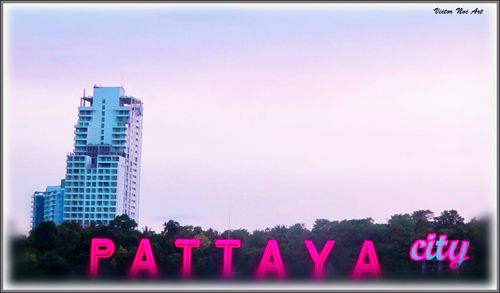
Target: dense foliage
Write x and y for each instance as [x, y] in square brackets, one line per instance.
[63, 251]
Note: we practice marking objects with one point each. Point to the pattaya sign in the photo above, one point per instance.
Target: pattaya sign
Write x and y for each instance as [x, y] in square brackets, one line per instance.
[367, 263]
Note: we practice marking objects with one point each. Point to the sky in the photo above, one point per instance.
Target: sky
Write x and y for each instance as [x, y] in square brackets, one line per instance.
[258, 115]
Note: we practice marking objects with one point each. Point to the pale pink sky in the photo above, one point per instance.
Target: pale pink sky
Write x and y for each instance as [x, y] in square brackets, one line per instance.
[282, 115]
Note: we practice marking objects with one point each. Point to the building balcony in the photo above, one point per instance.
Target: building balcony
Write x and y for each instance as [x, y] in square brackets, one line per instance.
[82, 125]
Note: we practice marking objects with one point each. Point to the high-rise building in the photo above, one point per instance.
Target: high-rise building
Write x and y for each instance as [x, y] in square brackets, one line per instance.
[48, 205]
[103, 171]
[37, 205]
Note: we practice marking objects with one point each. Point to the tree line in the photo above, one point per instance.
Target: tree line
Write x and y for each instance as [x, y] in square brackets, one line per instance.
[60, 252]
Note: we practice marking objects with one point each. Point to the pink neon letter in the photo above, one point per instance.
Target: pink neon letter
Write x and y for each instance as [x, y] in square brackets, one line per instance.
[144, 250]
[187, 245]
[228, 246]
[99, 248]
[420, 243]
[372, 266]
[271, 251]
[456, 260]
[319, 260]
[431, 241]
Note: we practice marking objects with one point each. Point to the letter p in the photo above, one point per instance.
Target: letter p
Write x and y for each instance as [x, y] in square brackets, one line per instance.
[100, 248]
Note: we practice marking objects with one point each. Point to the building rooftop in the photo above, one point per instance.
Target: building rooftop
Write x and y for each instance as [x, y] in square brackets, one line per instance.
[107, 87]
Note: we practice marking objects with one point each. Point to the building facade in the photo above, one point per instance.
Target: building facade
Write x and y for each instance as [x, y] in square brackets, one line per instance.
[37, 205]
[48, 205]
[103, 171]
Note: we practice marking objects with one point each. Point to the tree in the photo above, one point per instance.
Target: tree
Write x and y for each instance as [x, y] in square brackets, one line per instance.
[422, 221]
[147, 232]
[44, 236]
[123, 223]
[451, 223]
[171, 228]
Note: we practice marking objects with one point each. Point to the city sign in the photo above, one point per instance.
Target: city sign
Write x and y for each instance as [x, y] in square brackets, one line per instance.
[271, 263]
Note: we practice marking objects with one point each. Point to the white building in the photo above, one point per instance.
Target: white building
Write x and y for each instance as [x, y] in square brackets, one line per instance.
[103, 172]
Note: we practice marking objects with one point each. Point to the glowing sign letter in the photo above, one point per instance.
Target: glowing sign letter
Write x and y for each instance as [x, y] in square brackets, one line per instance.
[456, 260]
[372, 267]
[431, 240]
[100, 248]
[141, 263]
[271, 251]
[440, 254]
[414, 250]
[319, 260]
[227, 245]
[187, 245]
